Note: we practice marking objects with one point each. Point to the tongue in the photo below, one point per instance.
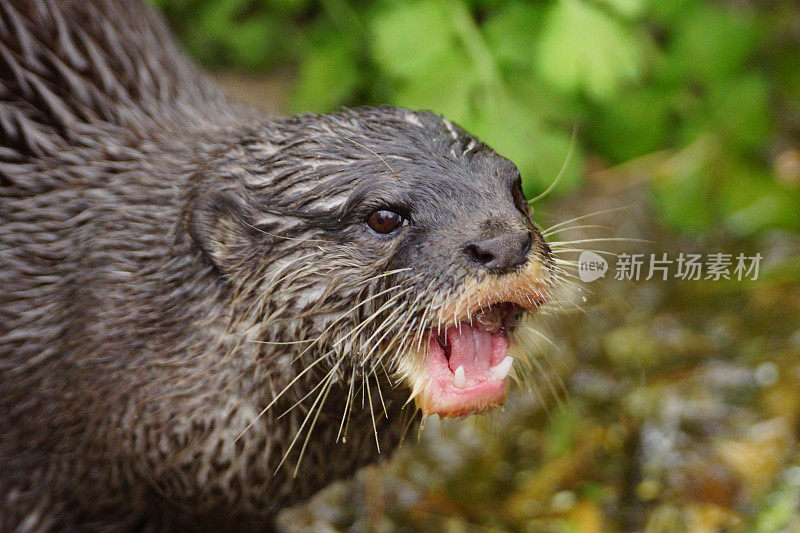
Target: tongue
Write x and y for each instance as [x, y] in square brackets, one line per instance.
[475, 350]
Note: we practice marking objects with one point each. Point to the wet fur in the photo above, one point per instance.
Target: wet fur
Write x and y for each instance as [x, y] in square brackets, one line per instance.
[189, 301]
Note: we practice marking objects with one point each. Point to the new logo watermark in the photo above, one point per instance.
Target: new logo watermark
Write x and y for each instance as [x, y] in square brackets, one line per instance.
[591, 266]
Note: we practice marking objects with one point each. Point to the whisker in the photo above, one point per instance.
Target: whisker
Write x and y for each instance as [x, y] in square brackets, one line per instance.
[561, 250]
[376, 154]
[324, 397]
[596, 213]
[372, 415]
[556, 244]
[550, 385]
[347, 407]
[278, 396]
[563, 168]
[547, 233]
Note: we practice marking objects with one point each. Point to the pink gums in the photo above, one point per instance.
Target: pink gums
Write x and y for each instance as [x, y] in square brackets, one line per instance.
[476, 351]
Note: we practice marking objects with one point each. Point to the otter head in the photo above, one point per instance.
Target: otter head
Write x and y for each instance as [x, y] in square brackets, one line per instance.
[378, 242]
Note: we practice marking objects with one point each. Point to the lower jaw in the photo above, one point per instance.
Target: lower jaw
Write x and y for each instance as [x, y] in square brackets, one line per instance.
[476, 400]
[440, 396]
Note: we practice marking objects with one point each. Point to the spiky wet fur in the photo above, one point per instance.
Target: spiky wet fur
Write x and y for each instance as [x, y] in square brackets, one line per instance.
[183, 315]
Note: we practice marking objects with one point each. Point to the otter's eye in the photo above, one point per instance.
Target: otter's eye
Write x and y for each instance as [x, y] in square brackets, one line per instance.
[384, 221]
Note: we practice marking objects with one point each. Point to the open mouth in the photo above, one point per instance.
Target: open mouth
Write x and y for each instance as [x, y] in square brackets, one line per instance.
[468, 363]
[465, 361]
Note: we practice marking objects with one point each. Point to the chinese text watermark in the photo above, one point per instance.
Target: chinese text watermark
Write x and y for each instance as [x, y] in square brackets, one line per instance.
[688, 267]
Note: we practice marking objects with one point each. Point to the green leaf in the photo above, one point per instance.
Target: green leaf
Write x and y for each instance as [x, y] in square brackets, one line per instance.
[512, 33]
[286, 6]
[683, 188]
[740, 106]
[713, 41]
[538, 150]
[447, 90]
[249, 45]
[776, 208]
[538, 96]
[583, 48]
[328, 76]
[409, 40]
[627, 8]
[631, 125]
[668, 12]
[226, 33]
[750, 200]
[788, 74]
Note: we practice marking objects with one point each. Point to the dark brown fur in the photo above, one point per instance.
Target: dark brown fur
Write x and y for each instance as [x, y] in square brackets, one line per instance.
[158, 244]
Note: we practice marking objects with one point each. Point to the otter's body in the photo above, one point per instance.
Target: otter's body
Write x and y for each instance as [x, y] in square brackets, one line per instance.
[189, 299]
[117, 404]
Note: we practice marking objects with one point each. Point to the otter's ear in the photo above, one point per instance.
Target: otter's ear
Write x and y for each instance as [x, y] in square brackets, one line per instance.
[221, 226]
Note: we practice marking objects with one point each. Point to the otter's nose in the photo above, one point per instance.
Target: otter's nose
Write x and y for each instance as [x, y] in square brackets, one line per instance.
[503, 252]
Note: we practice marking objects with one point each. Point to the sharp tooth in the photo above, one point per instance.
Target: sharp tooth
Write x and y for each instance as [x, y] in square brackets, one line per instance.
[460, 378]
[502, 369]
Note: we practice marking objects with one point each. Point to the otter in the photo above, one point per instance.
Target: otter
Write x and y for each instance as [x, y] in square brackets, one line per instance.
[206, 314]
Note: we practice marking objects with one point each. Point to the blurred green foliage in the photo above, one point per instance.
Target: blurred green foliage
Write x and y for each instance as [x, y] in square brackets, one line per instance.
[701, 97]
